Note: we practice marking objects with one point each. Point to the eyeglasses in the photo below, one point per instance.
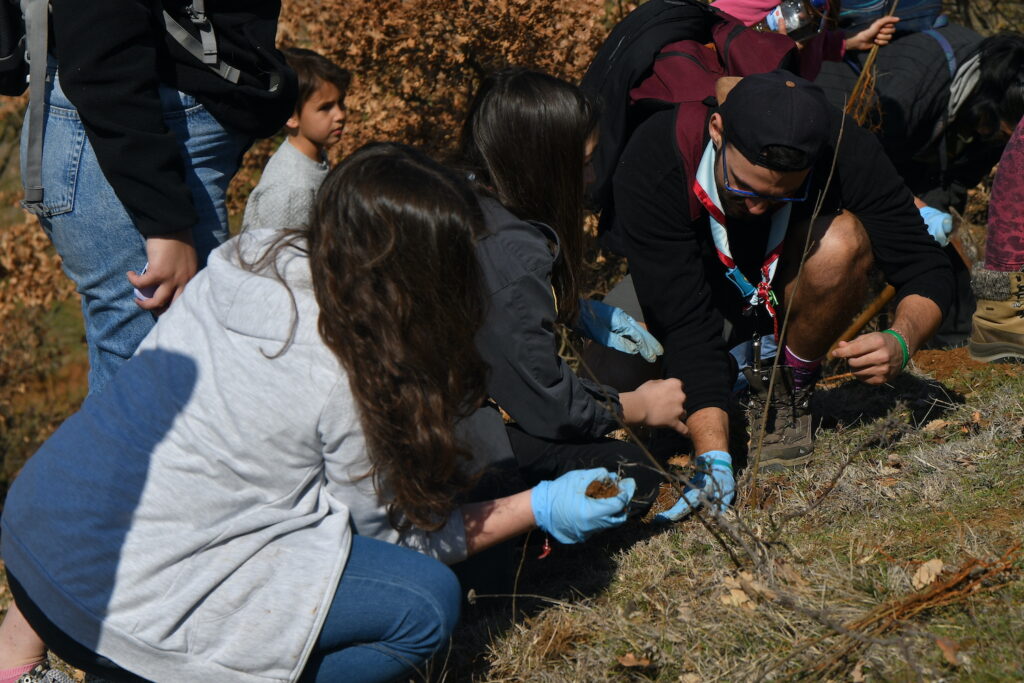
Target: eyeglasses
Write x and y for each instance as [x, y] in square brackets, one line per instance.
[747, 193]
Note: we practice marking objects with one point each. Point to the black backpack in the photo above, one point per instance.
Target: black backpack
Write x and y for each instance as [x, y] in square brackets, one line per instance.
[626, 56]
[663, 42]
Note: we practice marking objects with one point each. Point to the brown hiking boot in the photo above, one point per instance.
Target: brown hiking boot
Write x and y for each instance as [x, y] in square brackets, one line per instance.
[789, 434]
[997, 329]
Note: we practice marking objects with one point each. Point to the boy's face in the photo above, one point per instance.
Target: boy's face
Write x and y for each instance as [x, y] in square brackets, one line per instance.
[321, 118]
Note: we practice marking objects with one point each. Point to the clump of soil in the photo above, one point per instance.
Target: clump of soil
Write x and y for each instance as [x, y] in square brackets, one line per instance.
[602, 488]
[668, 496]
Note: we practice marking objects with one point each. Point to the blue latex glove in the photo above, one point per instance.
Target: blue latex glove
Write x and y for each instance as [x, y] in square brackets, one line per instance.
[616, 329]
[940, 224]
[563, 509]
[713, 483]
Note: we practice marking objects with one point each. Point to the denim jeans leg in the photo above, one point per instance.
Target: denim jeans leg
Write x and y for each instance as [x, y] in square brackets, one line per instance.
[393, 609]
[97, 239]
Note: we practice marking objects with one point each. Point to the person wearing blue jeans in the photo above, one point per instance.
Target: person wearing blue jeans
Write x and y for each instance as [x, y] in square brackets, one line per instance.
[93, 232]
[142, 133]
[392, 610]
[238, 505]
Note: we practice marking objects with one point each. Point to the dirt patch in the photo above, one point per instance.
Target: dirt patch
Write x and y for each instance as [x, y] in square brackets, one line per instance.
[944, 363]
[602, 488]
[667, 497]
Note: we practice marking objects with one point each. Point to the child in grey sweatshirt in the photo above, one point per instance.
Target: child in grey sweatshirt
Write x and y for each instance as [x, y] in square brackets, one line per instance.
[284, 196]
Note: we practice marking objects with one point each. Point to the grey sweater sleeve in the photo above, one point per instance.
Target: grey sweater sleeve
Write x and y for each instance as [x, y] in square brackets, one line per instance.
[519, 339]
[346, 466]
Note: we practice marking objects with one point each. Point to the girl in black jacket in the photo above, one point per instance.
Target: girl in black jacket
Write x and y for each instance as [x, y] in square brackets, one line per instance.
[525, 143]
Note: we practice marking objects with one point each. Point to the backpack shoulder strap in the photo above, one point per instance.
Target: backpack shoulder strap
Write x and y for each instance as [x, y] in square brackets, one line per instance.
[203, 48]
[37, 15]
[947, 50]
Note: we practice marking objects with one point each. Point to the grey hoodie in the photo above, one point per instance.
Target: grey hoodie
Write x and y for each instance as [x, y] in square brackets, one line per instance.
[191, 521]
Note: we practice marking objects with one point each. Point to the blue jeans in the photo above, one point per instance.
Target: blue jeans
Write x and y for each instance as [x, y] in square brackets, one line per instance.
[94, 234]
[393, 609]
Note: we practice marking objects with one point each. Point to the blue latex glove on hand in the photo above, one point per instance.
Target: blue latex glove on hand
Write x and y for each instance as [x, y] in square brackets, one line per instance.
[712, 484]
[563, 509]
[616, 329]
[940, 224]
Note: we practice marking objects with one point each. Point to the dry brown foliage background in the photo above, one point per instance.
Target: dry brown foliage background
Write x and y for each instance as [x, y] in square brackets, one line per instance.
[416, 63]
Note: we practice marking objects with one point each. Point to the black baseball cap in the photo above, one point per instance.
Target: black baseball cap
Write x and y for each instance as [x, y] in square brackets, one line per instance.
[776, 108]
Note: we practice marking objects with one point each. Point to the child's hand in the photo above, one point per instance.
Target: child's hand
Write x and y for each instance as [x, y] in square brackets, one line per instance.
[880, 32]
[172, 263]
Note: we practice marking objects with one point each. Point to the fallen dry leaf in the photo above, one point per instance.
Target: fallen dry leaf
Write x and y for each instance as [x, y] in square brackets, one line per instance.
[935, 426]
[949, 649]
[790, 574]
[631, 660]
[752, 586]
[690, 678]
[737, 597]
[926, 573]
[858, 672]
[864, 560]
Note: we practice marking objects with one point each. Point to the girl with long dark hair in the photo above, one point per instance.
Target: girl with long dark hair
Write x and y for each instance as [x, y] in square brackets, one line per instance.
[525, 143]
[234, 506]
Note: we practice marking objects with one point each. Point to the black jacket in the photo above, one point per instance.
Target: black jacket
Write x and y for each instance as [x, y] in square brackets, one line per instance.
[912, 87]
[113, 55]
[680, 283]
[519, 339]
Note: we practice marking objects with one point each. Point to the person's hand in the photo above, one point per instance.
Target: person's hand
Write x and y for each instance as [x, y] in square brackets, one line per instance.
[563, 509]
[616, 329]
[172, 263]
[713, 485]
[874, 358]
[656, 403]
[940, 224]
[880, 32]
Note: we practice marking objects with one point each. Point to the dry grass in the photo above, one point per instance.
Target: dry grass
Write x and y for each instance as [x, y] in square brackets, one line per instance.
[826, 587]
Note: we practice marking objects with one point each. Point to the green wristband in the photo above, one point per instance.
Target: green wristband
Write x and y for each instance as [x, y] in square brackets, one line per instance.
[903, 345]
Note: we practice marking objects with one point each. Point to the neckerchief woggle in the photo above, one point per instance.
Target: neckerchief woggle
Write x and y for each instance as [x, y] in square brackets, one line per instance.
[706, 189]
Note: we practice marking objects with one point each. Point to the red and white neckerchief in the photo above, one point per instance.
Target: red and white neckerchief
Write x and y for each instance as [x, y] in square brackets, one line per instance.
[706, 189]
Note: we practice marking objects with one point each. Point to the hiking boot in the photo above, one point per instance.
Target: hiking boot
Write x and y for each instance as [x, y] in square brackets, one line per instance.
[789, 434]
[997, 329]
[42, 673]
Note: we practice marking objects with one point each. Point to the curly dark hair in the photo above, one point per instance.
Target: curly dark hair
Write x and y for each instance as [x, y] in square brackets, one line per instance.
[524, 140]
[391, 255]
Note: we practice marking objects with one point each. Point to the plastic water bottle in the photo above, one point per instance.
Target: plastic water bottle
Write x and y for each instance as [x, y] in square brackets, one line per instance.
[792, 18]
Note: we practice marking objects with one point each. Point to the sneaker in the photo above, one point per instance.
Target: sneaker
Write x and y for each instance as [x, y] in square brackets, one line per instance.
[42, 673]
[789, 433]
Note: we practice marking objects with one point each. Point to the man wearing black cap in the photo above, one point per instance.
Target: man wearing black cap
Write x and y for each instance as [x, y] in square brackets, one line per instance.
[712, 208]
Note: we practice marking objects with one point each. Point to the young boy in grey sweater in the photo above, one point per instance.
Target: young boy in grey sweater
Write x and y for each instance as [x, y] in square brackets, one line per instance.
[284, 196]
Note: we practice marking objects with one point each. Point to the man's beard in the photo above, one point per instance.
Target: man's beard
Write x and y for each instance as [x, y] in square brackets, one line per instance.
[733, 207]
[736, 207]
